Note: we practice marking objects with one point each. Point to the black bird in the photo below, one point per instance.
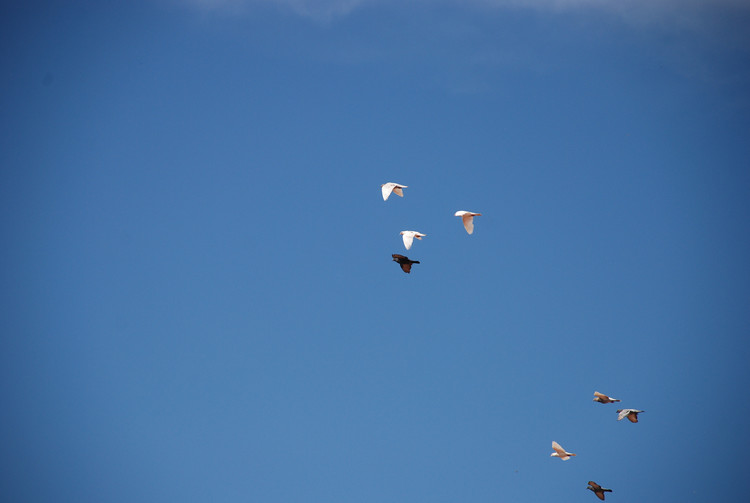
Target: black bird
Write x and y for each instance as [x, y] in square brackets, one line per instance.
[404, 262]
[598, 490]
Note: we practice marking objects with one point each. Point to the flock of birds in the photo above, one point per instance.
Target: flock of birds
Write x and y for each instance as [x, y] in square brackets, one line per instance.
[408, 236]
[631, 414]
[467, 217]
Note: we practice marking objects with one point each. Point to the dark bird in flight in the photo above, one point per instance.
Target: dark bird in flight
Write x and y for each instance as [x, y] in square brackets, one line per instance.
[404, 262]
[598, 490]
[602, 398]
[631, 414]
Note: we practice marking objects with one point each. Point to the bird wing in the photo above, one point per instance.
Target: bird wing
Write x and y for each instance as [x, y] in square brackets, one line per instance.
[600, 395]
[397, 190]
[622, 413]
[633, 416]
[599, 494]
[558, 449]
[419, 235]
[594, 485]
[386, 189]
[468, 220]
[406, 267]
[408, 239]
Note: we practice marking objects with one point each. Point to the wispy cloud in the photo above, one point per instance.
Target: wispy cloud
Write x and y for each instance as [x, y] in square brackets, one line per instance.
[642, 10]
[321, 10]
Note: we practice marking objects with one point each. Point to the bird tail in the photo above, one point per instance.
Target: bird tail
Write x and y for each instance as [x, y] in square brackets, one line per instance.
[415, 262]
[607, 490]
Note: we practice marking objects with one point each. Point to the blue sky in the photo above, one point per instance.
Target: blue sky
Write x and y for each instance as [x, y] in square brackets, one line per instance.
[199, 301]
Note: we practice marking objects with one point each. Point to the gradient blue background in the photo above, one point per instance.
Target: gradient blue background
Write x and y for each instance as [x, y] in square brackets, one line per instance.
[199, 302]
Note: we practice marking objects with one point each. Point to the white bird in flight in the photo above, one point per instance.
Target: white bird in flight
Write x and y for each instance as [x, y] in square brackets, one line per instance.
[468, 219]
[560, 452]
[631, 414]
[602, 398]
[409, 236]
[389, 187]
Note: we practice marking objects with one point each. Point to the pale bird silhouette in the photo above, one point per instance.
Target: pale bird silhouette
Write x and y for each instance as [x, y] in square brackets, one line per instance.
[631, 414]
[468, 219]
[598, 490]
[408, 237]
[560, 452]
[389, 187]
[404, 262]
[602, 398]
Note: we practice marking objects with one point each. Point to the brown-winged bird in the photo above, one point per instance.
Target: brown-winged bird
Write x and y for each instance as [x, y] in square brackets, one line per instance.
[404, 262]
[389, 187]
[560, 452]
[598, 490]
[468, 219]
[631, 414]
[602, 398]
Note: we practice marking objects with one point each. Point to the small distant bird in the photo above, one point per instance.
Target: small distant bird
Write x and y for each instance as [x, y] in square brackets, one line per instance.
[560, 452]
[409, 236]
[631, 414]
[468, 219]
[389, 187]
[601, 398]
[598, 490]
[404, 262]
